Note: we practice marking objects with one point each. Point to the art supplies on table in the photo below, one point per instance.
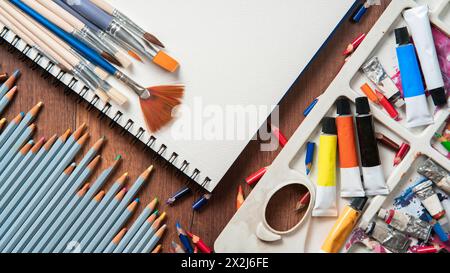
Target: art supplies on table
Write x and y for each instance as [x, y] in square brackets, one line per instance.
[212, 71]
[407, 174]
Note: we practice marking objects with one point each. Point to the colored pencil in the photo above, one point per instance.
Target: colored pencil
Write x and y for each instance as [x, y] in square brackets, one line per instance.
[3, 122]
[16, 159]
[310, 107]
[79, 229]
[309, 158]
[279, 135]
[15, 135]
[184, 238]
[154, 240]
[106, 220]
[115, 242]
[400, 155]
[157, 249]
[443, 140]
[3, 77]
[64, 223]
[387, 142]
[84, 215]
[66, 204]
[13, 183]
[199, 243]
[136, 225]
[254, 178]
[371, 95]
[303, 202]
[9, 83]
[184, 191]
[354, 44]
[11, 128]
[128, 23]
[110, 231]
[240, 198]
[201, 202]
[43, 185]
[23, 138]
[176, 248]
[149, 233]
[141, 232]
[4, 102]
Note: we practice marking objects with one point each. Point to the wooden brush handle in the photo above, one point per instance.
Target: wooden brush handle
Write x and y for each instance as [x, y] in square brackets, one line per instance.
[61, 51]
[104, 6]
[30, 38]
[62, 14]
[49, 15]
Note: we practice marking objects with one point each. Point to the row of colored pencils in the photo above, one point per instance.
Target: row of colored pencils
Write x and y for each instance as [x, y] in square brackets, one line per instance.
[186, 238]
[90, 40]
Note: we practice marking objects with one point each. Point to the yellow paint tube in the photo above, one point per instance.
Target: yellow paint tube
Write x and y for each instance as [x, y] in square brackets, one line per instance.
[325, 205]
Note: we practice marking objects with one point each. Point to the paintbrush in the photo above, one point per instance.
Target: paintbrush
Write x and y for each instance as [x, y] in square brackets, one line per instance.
[68, 63]
[83, 34]
[128, 23]
[105, 37]
[156, 102]
[112, 26]
[84, 29]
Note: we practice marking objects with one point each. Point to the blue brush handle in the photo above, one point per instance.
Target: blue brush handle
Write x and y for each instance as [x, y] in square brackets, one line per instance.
[86, 51]
[91, 12]
[67, 8]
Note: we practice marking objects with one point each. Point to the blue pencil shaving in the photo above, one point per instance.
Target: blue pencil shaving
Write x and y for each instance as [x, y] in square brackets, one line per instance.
[178, 195]
[310, 147]
[310, 107]
[201, 202]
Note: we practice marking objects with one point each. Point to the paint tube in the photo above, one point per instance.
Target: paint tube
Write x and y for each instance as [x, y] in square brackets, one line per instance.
[394, 241]
[376, 73]
[406, 223]
[429, 199]
[437, 174]
[446, 204]
[417, 112]
[419, 24]
[351, 184]
[325, 205]
[373, 177]
[344, 226]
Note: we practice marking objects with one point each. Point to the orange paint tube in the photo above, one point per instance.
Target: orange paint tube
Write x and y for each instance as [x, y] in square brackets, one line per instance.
[351, 184]
[344, 226]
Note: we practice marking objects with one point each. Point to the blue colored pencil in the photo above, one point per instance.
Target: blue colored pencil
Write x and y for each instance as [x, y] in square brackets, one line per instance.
[23, 138]
[154, 240]
[141, 232]
[135, 227]
[10, 128]
[16, 160]
[9, 83]
[309, 158]
[115, 242]
[148, 234]
[184, 239]
[7, 98]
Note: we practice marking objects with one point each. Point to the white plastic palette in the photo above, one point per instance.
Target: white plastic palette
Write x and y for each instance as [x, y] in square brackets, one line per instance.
[248, 230]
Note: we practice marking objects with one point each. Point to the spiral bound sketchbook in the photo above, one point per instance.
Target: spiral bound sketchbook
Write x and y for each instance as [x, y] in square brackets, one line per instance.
[232, 53]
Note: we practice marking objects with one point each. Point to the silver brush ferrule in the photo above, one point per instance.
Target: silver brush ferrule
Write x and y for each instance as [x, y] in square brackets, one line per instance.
[118, 31]
[106, 45]
[142, 92]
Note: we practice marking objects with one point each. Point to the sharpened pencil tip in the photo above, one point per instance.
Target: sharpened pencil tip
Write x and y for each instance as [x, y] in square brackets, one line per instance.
[118, 157]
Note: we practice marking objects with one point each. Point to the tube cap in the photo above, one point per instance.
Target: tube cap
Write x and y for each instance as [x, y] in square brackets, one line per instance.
[362, 106]
[329, 126]
[439, 96]
[358, 203]
[383, 214]
[343, 106]
[402, 36]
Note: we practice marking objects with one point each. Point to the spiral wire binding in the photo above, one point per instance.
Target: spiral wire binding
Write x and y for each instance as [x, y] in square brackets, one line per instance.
[69, 88]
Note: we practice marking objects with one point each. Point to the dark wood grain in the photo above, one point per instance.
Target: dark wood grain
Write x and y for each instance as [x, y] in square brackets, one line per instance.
[62, 112]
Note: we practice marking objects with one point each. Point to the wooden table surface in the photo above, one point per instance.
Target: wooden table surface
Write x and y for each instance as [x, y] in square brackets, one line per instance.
[62, 112]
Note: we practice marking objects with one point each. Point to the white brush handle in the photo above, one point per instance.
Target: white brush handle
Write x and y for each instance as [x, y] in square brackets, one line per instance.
[60, 50]
[30, 38]
[62, 14]
[104, 6]
[49, 15]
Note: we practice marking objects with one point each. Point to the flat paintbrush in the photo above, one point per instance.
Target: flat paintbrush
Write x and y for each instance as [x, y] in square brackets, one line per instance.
[128, 23]
[157, 102]
[112, 26]
[62, 14]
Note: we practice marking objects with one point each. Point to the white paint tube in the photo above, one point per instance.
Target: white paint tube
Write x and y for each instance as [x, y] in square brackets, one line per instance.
[419, 25]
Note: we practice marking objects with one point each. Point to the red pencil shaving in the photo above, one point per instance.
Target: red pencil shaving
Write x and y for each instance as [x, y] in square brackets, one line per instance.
[198, 242]
[354, 45]
[279, 135]
[404, 149]
[254, 178]
[303, 202]
[390, 109]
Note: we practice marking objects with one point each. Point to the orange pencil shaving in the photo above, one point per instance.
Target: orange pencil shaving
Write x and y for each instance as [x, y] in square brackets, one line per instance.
[368, 91]
[240, 198]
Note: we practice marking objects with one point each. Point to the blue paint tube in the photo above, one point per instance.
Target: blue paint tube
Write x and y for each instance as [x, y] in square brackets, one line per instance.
[417, 112]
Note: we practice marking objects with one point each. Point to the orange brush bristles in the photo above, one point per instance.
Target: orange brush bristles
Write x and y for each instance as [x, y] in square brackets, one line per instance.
[158, 108]
[165, 61]
[134, 55]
